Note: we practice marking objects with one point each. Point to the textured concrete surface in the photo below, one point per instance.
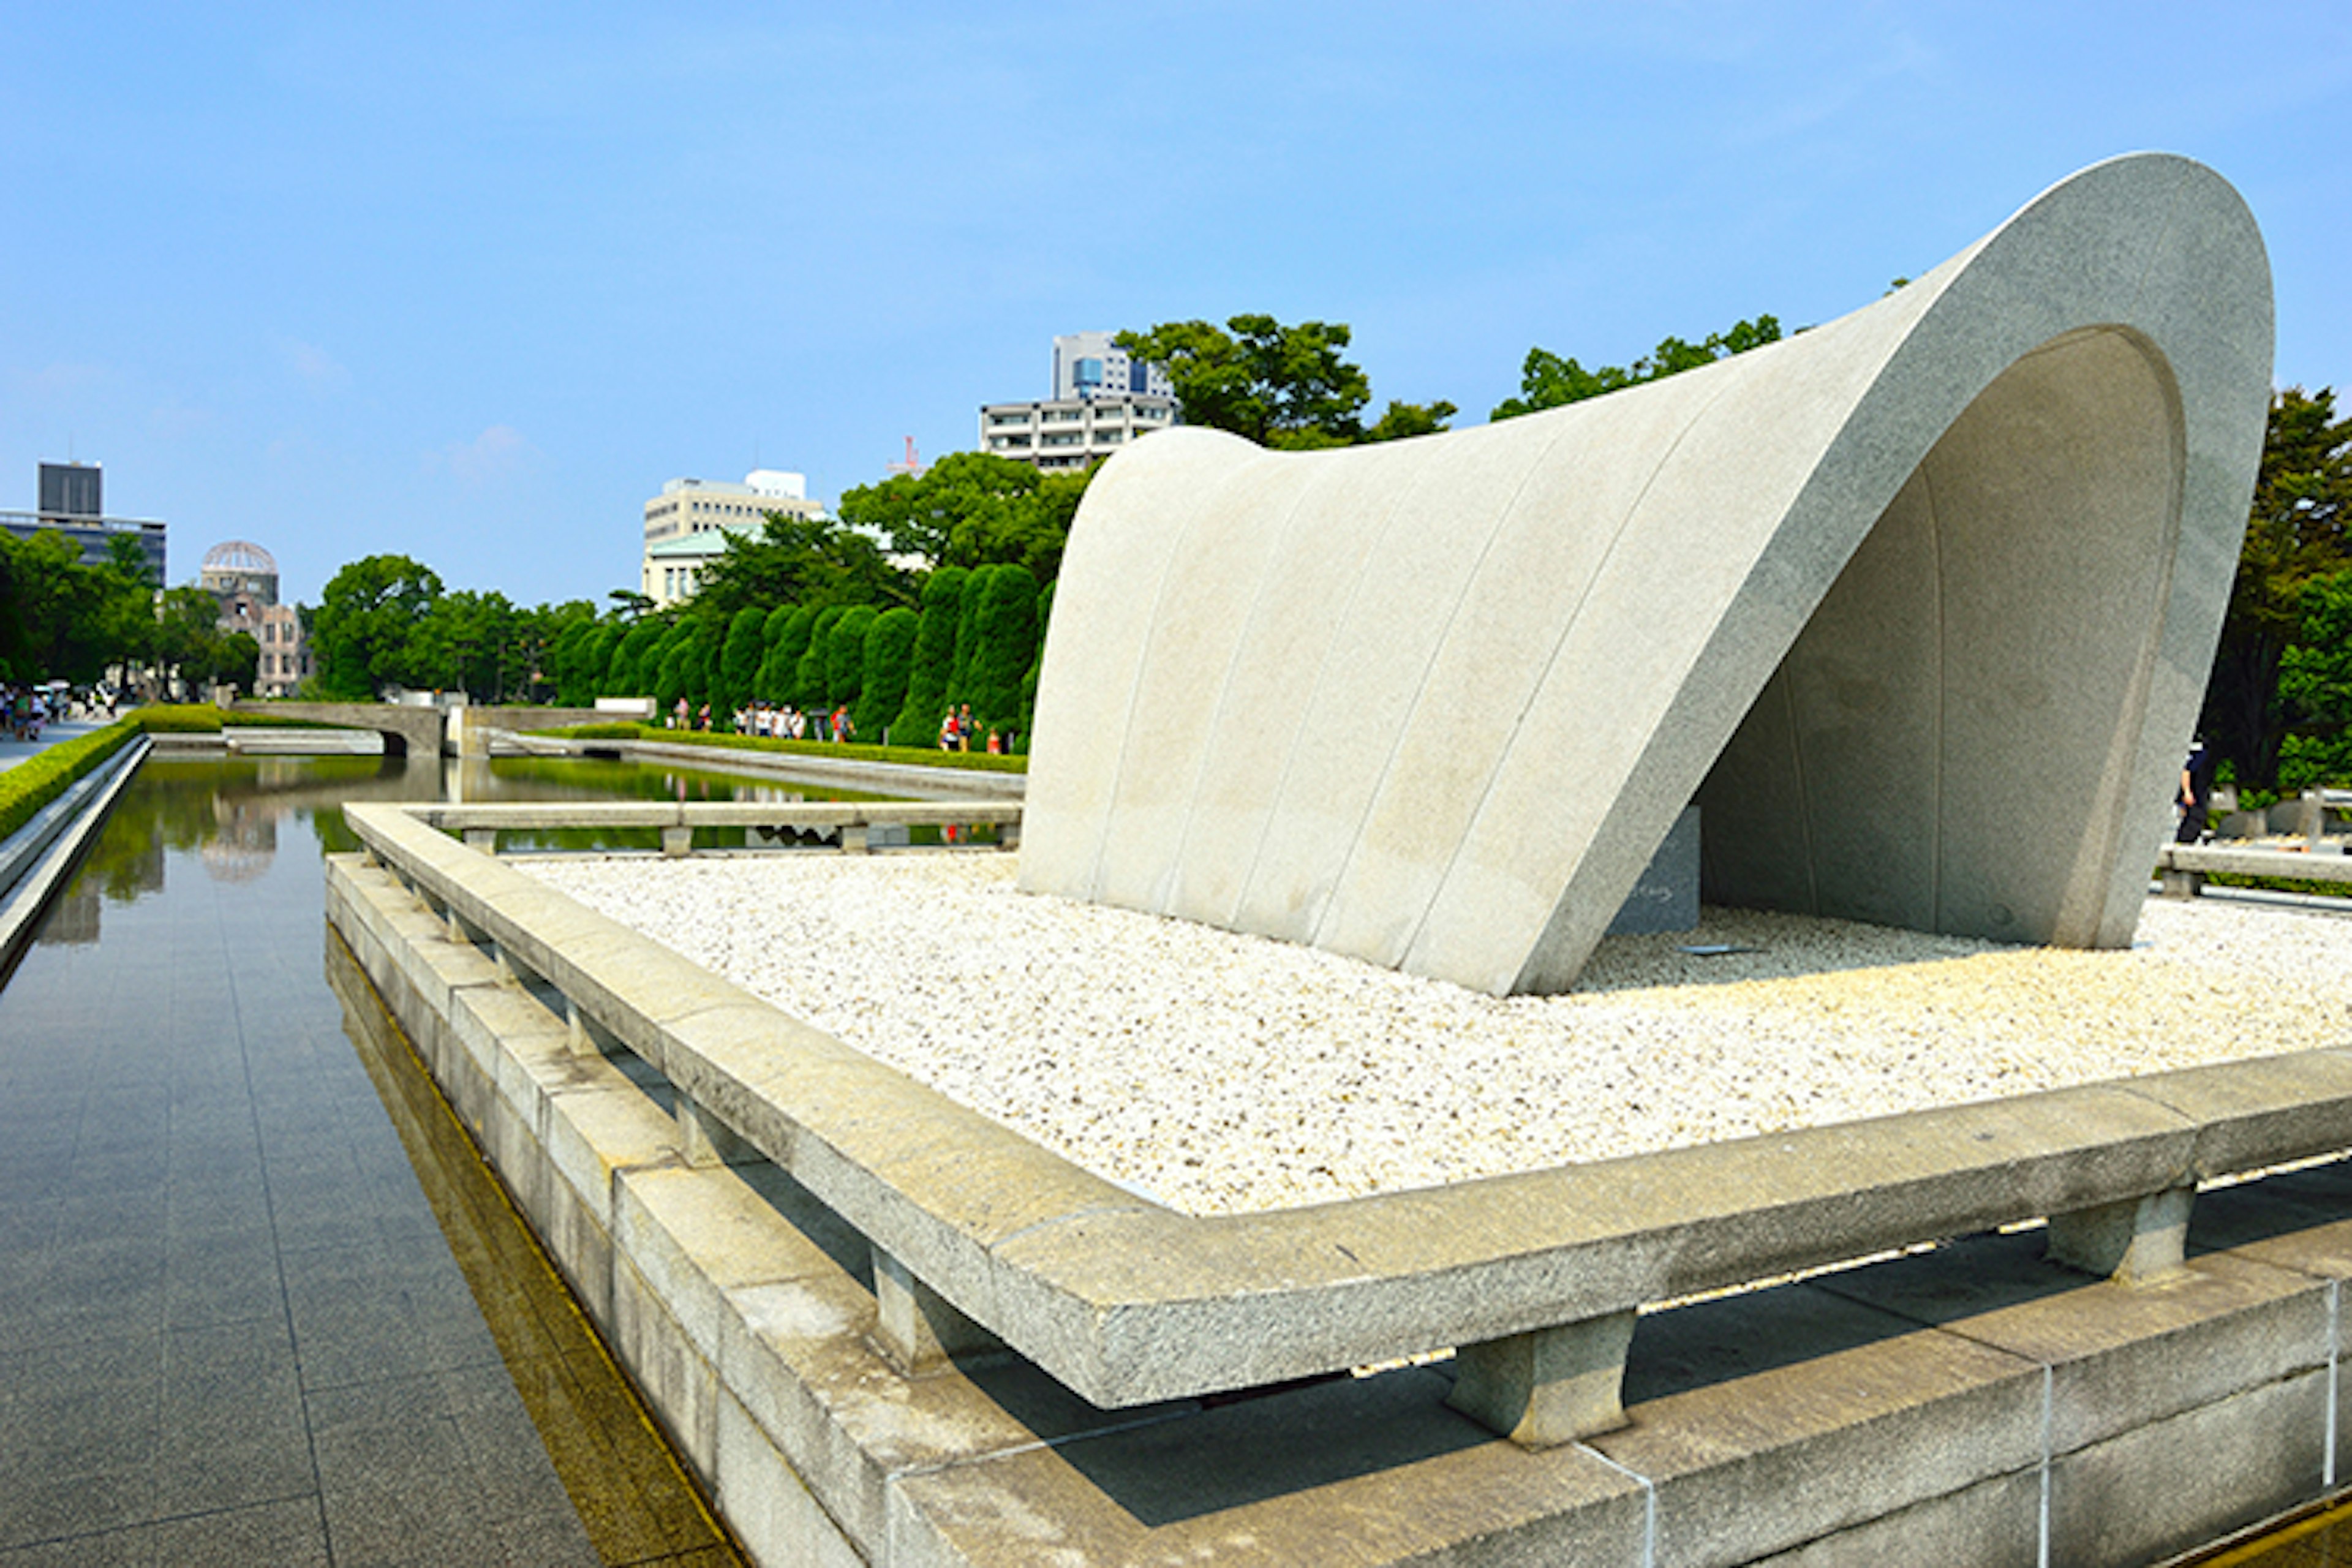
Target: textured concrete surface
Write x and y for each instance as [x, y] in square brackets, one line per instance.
[1435, 703]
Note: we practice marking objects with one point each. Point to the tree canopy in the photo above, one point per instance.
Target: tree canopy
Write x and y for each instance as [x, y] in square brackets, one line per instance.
[367, 611]
[2298, 531]
[1280, 386]
[805, 560]
[973, 509]
[1547, 381]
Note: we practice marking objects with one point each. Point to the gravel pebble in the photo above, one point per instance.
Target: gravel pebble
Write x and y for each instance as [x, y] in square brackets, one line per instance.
[1221, 1073]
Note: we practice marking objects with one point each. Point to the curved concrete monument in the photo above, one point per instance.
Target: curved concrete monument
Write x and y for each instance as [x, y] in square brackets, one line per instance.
[1916, 605]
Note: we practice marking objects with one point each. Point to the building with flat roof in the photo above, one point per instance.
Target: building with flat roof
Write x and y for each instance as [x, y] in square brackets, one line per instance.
[1102, 400]
[688, 524]
[72, 502]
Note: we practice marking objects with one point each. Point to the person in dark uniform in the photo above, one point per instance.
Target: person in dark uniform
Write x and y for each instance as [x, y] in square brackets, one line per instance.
[2195, 797]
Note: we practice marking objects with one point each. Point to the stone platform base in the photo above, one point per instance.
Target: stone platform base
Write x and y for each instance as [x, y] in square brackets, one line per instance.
[1974, 1404]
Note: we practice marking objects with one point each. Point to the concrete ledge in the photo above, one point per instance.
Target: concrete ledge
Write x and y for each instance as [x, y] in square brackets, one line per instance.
[34, 858]
[1976, 1405]
[843, 772]
[2191, 863]
[1129, 1303]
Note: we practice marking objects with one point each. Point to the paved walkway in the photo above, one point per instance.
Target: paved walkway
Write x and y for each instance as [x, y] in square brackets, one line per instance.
[13, 750]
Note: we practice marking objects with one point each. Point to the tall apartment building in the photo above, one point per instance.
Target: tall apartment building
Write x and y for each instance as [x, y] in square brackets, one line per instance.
[1102, 400]
[72, 502]
[688, 525]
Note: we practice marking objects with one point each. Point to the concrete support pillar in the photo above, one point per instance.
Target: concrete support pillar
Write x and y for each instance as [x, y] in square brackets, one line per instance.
[700, 1136]
[586, 1036]
[677, 842]
[484, 839]
[853, 839]
[1548, 1386]
[2183, 884]
[916, 1327]
[2131, 1241]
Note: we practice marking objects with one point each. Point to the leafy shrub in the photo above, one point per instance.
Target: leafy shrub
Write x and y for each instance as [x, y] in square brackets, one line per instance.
[918, 722]
[889, 660]
[47, 774]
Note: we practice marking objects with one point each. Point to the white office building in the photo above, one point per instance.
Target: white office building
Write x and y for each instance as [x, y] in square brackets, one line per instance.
[688, 525]
[1102, 400]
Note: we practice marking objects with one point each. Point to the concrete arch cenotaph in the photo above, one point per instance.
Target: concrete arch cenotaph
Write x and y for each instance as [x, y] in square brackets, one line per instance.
[1435, 703]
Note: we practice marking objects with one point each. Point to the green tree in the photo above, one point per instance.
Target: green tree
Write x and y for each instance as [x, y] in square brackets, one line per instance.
[1280, 386]
[967, 634]
[2295, 534]
[471, 642]
[800, 560]
[237, 660]
[1547, 381]
[366, 616]
[1404, 419]
[934, 661]
[809, 690]
[789, 627]
[2316, 689]
[629, 676]
[739, 662]
[1007, 635]
[62, 619]
[845, 657]
[681, 673]
[889, 660]
[973, 509]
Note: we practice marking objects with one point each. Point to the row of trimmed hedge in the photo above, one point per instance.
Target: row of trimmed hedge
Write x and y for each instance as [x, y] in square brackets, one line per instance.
[42, 777]
[917, 756]
[202, 717]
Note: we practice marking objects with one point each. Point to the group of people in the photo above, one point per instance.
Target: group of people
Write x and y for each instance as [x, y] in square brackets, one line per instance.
[957, 729]
[26, 709]
[782, 721]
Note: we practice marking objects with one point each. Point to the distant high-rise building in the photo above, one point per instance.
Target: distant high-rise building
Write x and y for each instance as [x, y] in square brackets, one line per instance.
[71, 503]
[1089, 364]
[72, 489]
[1102, 400]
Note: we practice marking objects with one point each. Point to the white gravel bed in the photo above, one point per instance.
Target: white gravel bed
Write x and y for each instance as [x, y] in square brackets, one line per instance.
[1220, 1073]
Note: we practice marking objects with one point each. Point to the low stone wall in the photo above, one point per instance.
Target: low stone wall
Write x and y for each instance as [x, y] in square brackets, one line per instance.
[35, 858]
[2183, 867]
[841, 773]
[773, 1230]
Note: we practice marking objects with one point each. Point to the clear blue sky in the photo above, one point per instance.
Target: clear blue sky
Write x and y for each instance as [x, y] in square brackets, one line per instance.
[468, 282]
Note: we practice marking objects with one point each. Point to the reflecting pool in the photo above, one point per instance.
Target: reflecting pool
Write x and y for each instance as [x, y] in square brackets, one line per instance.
[259, 1300]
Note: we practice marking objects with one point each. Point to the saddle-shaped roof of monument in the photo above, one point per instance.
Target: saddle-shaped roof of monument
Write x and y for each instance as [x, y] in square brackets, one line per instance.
[1917, 605]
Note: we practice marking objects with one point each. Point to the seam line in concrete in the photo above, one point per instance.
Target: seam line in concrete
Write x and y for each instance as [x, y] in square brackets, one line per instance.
[2335, 1350]
[2048, 1380]
[1085, 1212]
[1014, 1451]
[1648, 1503]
